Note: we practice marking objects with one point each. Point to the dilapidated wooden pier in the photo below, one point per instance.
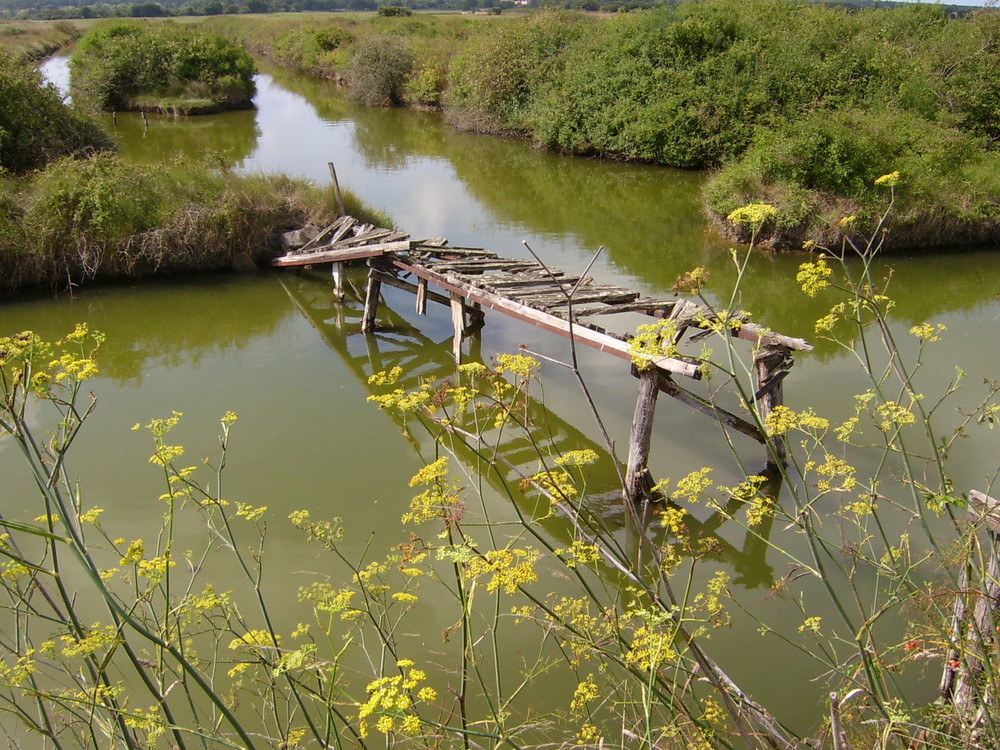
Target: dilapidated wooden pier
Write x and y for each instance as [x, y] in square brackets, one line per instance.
[472, 280]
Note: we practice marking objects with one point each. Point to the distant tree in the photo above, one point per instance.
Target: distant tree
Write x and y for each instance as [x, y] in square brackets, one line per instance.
[394, 10]
[148, 10]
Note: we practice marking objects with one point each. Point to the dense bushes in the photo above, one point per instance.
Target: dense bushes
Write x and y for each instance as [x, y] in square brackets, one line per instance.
[497, 76]
[35, 125]
[820, 172]
[162, 67]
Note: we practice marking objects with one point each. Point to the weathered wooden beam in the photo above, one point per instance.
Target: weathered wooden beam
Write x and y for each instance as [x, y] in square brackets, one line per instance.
[963, 684]
[371, 300]
[638, 483]
[336, 188]
[421, 296]
[342, 254]
[338, 280]
[458, 321]
[600, 341]
[771, 365]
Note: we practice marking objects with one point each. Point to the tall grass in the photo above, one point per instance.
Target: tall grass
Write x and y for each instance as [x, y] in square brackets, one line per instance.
[103, 218]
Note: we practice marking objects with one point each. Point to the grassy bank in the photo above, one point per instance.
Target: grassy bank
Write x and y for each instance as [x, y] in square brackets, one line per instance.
[34, 40]
[101, 218]
[794, 104]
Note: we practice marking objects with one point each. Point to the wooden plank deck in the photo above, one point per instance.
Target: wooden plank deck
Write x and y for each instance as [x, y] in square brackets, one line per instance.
[520, 288]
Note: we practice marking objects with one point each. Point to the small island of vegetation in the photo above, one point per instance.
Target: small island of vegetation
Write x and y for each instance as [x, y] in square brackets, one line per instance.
[164, 67]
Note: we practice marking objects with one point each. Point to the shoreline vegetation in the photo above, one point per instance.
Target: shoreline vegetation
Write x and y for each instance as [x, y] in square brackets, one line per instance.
[165, 67]
[797, 105]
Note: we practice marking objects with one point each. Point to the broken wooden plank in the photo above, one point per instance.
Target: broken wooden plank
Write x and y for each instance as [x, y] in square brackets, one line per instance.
[642, 305]
[363, 237]
[507, 281]
[349, 222]
[476, 265]
[344, 254]
[319, 238]
[610, 296]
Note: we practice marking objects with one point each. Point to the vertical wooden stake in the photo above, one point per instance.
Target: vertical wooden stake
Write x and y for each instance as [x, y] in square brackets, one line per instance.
[457, 320]
[336, 188]
[770, 367]
[371, 300]
[338, 280]
[421, 296]
[638, 483]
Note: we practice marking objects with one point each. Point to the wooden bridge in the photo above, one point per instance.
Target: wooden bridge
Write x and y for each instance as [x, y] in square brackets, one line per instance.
[472, 280]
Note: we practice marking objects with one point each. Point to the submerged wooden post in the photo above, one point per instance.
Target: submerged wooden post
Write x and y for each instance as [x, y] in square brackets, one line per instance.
[457, 320]
[338, 280]
[638, 482]
[336, 188]
[771, 365]
[371, 299]
[421, 296]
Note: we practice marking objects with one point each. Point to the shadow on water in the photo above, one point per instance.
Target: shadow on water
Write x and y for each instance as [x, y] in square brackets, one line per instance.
[397, 343]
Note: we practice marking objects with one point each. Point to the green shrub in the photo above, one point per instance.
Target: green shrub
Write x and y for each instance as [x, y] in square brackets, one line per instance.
[496, 76]
[120, 63]
[35, 125]
[379, 71]
[394, 10]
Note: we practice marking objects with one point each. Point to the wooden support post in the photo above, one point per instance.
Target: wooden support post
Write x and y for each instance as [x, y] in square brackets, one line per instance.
[771, 365]
[338, 280]
[962, 681]
[371, 300]
[457, 320]
[638, 482]
[421, 296]
[336, 187]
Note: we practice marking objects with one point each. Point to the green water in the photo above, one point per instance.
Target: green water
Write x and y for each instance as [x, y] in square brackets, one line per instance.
[278, 351]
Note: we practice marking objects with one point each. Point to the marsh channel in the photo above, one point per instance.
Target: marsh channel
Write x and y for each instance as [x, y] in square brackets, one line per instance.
[308, 438]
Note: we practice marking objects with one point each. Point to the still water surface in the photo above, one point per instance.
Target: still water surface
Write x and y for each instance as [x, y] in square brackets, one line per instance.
[279, 352]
